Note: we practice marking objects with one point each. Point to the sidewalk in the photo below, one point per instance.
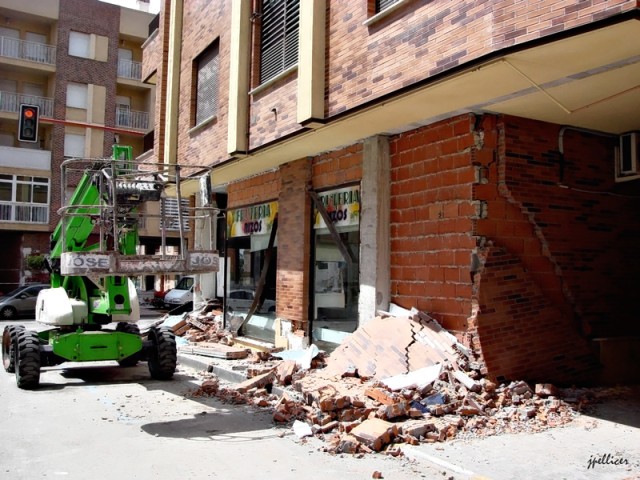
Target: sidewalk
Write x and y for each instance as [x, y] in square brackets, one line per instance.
[601, 444]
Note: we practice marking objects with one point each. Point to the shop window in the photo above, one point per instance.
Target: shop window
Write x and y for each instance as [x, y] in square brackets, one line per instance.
[336, 265]
[280, 21]
[251, 266]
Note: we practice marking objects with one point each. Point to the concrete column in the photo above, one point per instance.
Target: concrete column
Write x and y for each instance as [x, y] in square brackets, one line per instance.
[205, 234]
[311, 62]
[375, 284]
[239, 81]
[173, 83]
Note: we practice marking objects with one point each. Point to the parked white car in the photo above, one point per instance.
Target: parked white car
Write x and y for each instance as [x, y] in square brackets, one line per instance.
[181, 294]
[241, 300]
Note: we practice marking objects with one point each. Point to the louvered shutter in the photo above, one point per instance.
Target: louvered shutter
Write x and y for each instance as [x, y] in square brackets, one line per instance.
[279, 37]
[207, 90]
[382, 4]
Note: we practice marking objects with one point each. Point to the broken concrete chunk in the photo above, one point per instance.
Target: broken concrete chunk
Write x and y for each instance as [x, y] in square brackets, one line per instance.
[416, 379]
[375, 433]
[285, 371]
[467, 381]
[417, 428]
[546, 390]
[257, 382]
[301, 429]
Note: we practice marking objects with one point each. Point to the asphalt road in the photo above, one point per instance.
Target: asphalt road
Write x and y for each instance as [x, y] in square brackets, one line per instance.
[109, 423]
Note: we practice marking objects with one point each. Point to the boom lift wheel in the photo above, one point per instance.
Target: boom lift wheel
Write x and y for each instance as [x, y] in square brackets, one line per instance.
[162, 354]
[9, 340]
[27, 362]
[132, 328]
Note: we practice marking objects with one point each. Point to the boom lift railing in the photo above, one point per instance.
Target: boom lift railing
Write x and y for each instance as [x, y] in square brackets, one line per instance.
[106, 203]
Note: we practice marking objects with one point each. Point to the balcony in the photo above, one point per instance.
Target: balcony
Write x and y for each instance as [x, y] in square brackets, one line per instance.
[10, 102]
[29, 51]
[14, 157]
[130, 69]
[17, 212]
[127, 118]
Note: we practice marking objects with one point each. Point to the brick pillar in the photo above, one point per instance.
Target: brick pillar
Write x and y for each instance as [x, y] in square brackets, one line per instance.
[294, 239]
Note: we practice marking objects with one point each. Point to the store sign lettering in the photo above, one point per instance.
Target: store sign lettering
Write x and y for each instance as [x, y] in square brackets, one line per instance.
[342, 206]
[254, 220]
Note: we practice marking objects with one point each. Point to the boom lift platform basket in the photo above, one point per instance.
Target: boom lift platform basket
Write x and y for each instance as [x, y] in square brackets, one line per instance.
[94, 249]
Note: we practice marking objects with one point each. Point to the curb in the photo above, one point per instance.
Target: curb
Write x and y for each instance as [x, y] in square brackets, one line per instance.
[200, 363]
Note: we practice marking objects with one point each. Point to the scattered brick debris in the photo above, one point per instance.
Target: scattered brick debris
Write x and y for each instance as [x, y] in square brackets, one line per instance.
[344, 399]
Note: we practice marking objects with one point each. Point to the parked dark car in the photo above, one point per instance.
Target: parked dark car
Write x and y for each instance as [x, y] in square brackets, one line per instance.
[21, 301]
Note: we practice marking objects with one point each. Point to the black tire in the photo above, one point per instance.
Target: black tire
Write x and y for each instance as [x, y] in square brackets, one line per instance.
[9, 341]
[27, 360]
[8, 313]
[162, 354]
[133, 329]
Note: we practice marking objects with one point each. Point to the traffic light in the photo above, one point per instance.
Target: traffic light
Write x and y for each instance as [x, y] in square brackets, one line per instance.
[28, 123]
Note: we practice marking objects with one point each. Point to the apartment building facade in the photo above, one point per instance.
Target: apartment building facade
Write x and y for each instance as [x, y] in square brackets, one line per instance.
[473, 160]
[79, 61]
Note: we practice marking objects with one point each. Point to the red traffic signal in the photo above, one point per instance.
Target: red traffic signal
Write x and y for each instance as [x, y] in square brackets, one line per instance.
[28, 123]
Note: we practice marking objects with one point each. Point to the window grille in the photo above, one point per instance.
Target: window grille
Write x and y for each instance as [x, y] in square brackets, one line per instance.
[279, 37]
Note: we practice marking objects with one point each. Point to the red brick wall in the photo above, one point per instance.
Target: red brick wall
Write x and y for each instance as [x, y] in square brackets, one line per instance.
[422, 39]
[339, 167]
[274, 112]
[294, 233]
[559, 238]
[259, 189]
[87, 17]
[204, 23]
[432, 216]
[522, 251]
[521, 333]
[586, 224]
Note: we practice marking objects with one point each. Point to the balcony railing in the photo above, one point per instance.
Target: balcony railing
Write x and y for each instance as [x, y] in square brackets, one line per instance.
[131, 118]
[24, 212]
[130, 69]
[30, 51]
[10, 102]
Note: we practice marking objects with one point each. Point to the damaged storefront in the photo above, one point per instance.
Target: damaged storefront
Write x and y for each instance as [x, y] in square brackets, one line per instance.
[250, 268]
[336, 265]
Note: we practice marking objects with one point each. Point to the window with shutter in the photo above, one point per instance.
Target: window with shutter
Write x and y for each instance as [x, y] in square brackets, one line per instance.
[207, 67]
[382, 4]
[79, 44]
[278, 37]
[170, 218]
[77, 95]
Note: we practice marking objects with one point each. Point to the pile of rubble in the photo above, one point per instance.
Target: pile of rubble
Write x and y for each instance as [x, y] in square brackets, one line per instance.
[397, 379]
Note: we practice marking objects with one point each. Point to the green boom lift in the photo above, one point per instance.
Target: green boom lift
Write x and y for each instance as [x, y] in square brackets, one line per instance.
[93, 253]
